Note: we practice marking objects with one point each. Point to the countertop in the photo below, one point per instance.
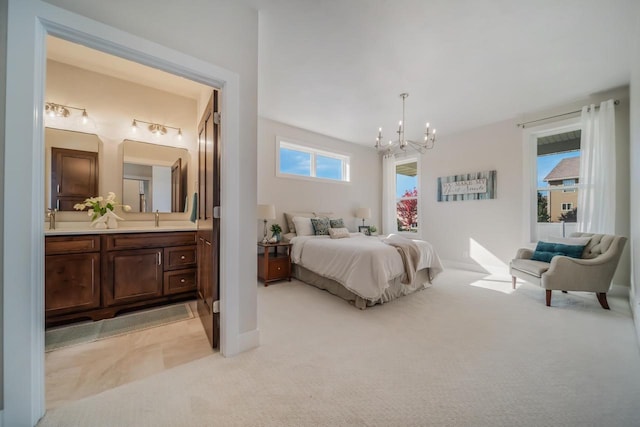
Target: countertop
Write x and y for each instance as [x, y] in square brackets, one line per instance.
[73, 228]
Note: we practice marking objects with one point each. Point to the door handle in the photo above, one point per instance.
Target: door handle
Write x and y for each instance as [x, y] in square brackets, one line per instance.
[216, 212]
[159, 258]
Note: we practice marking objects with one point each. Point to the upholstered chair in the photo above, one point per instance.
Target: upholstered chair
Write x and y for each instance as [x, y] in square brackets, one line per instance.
[592, 272]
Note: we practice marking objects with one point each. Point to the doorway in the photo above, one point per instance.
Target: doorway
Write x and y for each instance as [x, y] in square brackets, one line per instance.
[158, 164]
[23, 272]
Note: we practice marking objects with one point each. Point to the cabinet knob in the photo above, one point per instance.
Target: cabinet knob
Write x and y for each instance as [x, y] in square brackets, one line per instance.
[278, 268]
[182, 257]
[182, 280]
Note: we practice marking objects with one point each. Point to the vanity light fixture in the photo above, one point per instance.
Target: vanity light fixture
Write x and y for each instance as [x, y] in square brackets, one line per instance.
[155, 128]
[58, 110]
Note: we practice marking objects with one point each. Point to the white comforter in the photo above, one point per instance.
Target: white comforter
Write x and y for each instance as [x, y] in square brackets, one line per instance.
[362, 264]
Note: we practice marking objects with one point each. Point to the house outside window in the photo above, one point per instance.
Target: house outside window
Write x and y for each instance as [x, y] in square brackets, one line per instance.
[294, 160]
[567, 207]
[407, 179]
[551, 170]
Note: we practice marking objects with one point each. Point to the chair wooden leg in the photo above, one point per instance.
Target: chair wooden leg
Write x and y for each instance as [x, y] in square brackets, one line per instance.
[602, 298]
[564, 292]
[548, 297]
[513, 282]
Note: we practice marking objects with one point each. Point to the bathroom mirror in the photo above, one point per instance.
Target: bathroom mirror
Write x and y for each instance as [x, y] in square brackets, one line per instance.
[154, 177]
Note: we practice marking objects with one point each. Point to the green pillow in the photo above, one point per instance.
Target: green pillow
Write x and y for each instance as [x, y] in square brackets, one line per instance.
[320, 226]
[337, 223]
[546, 251]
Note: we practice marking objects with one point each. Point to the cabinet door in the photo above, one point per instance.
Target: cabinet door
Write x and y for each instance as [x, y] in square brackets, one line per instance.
[132, 275]
[72, 283]
[74, 177]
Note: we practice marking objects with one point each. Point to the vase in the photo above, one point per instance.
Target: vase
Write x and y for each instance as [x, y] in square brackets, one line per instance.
[112, 222]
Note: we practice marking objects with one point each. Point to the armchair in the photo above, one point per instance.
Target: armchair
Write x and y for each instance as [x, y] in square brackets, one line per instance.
[590, 273]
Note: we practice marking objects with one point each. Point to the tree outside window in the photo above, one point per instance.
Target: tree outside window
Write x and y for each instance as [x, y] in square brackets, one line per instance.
[407, 196]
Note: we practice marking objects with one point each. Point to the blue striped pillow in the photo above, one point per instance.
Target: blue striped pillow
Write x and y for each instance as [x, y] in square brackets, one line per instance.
[546, 251]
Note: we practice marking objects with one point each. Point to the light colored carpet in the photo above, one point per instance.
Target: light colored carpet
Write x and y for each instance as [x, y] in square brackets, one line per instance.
[65, 336]
[465, 352]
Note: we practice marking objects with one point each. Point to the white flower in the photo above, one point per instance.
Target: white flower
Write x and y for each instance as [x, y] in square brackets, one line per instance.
[126, 208]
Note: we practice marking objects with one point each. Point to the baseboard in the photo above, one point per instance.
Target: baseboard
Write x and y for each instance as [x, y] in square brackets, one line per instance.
[1, 416]
[247, 341]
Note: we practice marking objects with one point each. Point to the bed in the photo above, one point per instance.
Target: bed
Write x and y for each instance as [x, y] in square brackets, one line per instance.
[365, 270]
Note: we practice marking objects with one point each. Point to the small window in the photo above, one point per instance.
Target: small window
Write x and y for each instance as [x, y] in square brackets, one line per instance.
[567, 206]
[296, 160]
[407, 197]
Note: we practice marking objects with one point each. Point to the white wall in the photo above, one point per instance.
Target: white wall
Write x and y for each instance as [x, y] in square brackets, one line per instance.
[485, 234]
[477, 234]
[295, 195]
[634, 160]
[3, 75]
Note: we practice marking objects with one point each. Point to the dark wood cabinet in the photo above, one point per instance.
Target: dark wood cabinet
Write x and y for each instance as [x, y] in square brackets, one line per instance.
[273, 264]
[97, 276]
[72, 275]
[132, 275]
[74, 177]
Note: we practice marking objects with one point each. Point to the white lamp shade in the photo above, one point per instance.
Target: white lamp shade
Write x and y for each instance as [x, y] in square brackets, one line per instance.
[266, 212]
[364, 213]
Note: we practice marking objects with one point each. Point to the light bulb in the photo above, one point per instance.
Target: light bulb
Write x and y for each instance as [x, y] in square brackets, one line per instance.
[180, 134]
[134, 125]
[85, 117]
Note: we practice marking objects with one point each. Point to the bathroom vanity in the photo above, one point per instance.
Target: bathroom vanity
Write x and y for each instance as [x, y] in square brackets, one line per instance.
[96, 274]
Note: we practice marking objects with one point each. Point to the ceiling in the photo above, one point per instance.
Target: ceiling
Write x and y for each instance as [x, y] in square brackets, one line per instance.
[89, 59]
[337, 67]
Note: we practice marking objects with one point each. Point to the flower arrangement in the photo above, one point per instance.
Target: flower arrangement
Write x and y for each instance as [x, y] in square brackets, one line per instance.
[98, 206]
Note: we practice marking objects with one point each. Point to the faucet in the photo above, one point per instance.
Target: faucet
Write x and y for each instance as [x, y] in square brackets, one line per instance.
[51, 214]
[157, 215]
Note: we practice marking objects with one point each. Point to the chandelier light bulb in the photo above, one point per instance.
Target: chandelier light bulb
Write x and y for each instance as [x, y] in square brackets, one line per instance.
[85, 117]
[180, 134]
[134, 125]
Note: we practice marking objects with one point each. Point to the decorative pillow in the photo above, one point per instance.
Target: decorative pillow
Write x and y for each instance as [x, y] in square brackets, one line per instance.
[545, 251]
[303, 226]
[337, 223]
[339, 233]
[320, 226]
[288, 216]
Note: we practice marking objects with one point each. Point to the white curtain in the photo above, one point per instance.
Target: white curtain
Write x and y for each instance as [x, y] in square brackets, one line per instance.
[389, 222]
[597, 194]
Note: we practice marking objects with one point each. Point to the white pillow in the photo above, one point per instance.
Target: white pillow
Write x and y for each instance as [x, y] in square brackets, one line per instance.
[339, 233]
[576, 241]
[303, 226]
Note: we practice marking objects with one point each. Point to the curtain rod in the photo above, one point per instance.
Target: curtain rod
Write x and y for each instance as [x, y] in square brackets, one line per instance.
[522, 125]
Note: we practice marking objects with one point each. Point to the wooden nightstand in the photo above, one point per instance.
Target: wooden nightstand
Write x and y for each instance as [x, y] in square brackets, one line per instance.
[273, 264]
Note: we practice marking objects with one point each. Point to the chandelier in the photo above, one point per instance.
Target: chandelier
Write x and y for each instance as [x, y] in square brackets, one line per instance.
[392, 148]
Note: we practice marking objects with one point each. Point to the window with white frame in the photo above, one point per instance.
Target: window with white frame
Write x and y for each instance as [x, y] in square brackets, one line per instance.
[552, 171]
[300, 161]
[407, 179]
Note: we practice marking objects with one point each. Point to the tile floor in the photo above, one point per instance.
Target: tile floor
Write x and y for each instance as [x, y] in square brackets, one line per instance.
[83, 370]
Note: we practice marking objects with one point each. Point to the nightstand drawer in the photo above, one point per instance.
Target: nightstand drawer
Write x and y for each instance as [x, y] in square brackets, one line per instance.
[278, 268]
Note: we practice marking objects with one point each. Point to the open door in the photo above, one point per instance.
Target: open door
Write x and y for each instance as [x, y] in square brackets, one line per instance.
[209, 220]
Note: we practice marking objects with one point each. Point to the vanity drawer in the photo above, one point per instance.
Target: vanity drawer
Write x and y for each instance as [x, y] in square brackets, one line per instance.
[116, 242]
[179, 257]
[71, 244]
[179, 281]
